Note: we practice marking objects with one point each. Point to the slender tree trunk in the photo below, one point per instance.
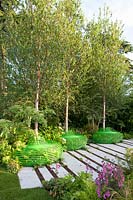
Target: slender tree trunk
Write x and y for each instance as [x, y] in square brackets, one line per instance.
[93, 123]
[2, 57]
[37, 99]
[67, 107]
[1, 8]
[104, 111]
[3, 73]
[29, 122]
[98, 124]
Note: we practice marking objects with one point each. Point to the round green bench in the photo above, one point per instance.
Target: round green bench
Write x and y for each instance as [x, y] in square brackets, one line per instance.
[39, 153]
[107, 136]
[75, 141]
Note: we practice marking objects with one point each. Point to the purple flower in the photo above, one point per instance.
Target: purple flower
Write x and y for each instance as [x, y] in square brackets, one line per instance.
[106, 194]
[111, 176]
[99, 193]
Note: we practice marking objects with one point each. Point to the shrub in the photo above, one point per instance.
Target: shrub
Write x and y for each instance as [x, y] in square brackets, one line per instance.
[52, 133]
[26, 114]
[127, 191]
[13, 166]
[68, 188]
[13, 136]
[129, 158]
[5, 151]
[90, 129]
[127, 135]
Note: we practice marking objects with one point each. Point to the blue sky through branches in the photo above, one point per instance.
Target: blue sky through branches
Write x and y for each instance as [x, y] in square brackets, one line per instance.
[121, 10]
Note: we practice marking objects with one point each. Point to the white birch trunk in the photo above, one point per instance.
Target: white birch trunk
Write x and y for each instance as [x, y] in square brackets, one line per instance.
[67, 107]
[104, 111]
[2, 75]
[37, 99]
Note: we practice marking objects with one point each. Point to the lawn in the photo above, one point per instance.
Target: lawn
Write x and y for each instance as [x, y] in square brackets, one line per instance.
[10, 189]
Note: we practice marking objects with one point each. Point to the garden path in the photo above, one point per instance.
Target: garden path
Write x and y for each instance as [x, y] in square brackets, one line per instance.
[88, 160]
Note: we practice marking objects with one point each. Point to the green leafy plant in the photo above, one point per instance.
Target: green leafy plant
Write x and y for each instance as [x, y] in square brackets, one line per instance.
[90, 129]
[26, 114]
[13, 165]
[13, 136]
[5, 151]
[80, 187]
[127, 135]
[70, 132]
[52, 133]
[129, 158]
[126, 193]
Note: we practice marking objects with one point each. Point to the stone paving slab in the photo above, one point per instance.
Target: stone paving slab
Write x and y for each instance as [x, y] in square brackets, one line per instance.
[61, 172]
[45, 173]
[114, 147]
[111, 151]
[75, 162]
[28, 178]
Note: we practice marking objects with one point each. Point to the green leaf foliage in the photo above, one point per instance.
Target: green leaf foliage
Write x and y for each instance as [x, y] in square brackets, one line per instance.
[76, 63]
[69, 188]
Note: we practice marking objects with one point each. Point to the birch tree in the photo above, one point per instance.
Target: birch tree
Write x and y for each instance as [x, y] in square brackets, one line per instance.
[107, 64]
[73, 49]
[31, 48]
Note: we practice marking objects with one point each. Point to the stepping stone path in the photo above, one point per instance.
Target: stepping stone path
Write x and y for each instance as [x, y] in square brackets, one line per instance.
[74, 162]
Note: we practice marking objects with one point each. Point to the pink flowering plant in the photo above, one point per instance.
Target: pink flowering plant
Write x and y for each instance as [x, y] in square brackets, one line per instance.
[110, 178]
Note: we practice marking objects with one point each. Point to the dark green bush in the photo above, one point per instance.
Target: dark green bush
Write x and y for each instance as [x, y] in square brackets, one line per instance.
[90, 129]
[107, 136]
[127, 135]
[68, 188]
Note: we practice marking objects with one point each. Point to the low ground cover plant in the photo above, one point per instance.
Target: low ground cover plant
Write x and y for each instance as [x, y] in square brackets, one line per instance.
[72, 188]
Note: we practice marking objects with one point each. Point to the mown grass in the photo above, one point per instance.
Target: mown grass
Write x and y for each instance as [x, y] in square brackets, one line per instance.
[10, 189]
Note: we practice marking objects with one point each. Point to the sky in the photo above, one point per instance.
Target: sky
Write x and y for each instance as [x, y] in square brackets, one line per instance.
[122, 10]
